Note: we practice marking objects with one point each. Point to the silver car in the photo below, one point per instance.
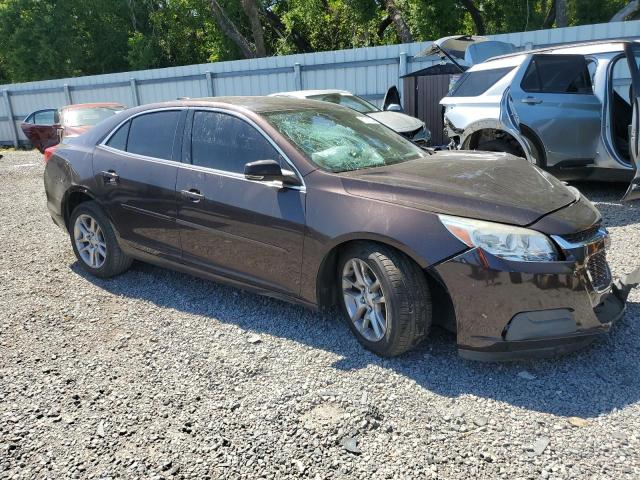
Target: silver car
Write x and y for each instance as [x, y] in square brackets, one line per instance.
[569, 109]
[391, 114]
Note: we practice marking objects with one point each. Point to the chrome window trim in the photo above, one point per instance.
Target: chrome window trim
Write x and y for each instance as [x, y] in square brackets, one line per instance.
[224, 173]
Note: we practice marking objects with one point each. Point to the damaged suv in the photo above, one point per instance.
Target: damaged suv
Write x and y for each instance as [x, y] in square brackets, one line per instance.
[567, 109]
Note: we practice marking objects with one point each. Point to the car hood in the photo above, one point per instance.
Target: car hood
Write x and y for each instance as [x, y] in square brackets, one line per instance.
[397, 121]
[484, 185]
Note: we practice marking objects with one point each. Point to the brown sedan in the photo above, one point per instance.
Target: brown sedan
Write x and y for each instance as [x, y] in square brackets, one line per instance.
[318, 204]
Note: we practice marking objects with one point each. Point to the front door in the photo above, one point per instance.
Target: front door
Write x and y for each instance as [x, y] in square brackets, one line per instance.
[42, 128]
[553, 96]
[632, 52]
[249, 230]
[135, 173]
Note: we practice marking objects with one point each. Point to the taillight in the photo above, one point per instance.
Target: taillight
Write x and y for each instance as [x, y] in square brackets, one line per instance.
[48, 152]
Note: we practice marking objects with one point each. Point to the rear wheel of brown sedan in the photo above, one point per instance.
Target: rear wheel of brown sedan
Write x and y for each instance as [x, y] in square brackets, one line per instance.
[94, 242]
[385, 298]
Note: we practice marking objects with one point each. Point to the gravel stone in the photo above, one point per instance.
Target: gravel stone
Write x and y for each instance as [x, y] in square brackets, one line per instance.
[163, 362]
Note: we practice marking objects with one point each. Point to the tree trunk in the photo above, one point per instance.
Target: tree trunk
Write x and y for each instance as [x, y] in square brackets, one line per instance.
[251, 9]
[386, 21]
[629, 9]
[476, 16]
[561, 13]
[230, 30]
[301, 43]
[551, 16]
[398, 21]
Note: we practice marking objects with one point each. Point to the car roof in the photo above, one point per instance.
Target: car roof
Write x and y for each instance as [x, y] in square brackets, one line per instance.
[257, 104]
[248, 105]
[584, 48]
[310, 93]
[79, 106]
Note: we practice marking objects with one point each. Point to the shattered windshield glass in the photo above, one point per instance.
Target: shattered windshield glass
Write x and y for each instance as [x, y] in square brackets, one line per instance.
[342, 140]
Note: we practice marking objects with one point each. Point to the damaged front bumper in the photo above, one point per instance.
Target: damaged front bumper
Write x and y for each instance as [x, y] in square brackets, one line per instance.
[508, 310]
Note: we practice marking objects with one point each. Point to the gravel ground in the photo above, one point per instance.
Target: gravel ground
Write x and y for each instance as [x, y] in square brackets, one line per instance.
[156, 374]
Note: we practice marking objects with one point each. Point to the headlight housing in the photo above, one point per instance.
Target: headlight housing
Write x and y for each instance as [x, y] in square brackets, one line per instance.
[504, 241]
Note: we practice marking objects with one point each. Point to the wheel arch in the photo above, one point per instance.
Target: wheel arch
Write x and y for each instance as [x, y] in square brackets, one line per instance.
[326, 287]
[490, 129]
[73, 197]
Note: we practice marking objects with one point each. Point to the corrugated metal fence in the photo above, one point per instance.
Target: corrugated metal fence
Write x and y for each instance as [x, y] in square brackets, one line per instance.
[365, 71]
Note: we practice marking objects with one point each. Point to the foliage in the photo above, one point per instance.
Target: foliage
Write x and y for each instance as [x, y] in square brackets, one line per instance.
[56, 38]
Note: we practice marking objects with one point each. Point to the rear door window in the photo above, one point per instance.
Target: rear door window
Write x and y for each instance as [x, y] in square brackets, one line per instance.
[153, 134]
[45, 117]
[557, 74]
[477, 82]
[227, 143]
[119, 139]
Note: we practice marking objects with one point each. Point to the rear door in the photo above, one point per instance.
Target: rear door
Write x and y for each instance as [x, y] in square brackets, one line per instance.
[249, 230]
[135, 171]
[553, 96]
[632, 51]
[42, 128]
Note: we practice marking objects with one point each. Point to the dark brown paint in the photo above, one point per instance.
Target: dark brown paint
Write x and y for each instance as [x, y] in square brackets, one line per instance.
[282, 241]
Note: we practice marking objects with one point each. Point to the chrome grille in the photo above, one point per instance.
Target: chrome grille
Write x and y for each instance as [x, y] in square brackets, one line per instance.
[598, 270]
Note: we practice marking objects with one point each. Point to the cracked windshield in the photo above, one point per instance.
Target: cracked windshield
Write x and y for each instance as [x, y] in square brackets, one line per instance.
[341, 141]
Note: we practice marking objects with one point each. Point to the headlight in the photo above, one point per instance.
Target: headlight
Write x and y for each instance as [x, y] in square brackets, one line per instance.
[504, 241]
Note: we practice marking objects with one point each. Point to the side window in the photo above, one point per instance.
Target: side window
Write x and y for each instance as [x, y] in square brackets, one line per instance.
[227, 143]
[152, 134]
[30, 118]
[45, 117]
[119, 139]
[477, 82]
[557, 74]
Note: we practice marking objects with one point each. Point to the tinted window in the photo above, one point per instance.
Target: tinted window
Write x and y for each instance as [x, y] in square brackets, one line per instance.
[45, 117]
[152, 134]
[557, 74]
[119, 139]
[224, 142]
[478, 82]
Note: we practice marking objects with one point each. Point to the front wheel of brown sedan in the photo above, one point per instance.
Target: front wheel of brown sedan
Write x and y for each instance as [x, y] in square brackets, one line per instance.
[94, 242]
[385, 298]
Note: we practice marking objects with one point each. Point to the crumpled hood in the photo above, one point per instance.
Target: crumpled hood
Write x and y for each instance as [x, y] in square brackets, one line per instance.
[397, 121]
[484, 185]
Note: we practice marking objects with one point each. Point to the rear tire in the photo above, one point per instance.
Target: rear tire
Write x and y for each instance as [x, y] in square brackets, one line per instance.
[392, 290]
[94, 242]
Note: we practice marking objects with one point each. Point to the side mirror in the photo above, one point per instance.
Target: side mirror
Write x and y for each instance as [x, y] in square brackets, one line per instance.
[393, 107]
[270, 171]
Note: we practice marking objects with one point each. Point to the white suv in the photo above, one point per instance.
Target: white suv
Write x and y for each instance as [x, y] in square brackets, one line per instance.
[568, 109]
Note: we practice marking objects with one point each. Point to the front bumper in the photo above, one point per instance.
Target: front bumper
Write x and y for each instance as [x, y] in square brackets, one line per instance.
[511, 310]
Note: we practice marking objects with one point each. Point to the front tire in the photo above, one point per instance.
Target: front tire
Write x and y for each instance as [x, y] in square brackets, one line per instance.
[385, 298]
[94, 242]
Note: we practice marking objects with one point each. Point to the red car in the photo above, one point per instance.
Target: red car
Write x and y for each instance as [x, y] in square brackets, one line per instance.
[46, 128]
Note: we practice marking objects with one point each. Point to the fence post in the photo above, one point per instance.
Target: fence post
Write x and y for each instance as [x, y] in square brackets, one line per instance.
[297, 76]
[402, 70]
[67, 94]
[12, 123]
[210, 89]
[134, 92]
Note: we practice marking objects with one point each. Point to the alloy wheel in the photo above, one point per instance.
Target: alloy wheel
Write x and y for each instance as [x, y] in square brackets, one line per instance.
[364, 299]
[90, 241]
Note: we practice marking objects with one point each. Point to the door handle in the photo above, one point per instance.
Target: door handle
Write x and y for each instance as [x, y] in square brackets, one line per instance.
[193, 194]
[531, 100]
[110, 177]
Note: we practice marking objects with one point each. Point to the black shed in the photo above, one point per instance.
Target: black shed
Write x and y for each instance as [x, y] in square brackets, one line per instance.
[423, 90]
